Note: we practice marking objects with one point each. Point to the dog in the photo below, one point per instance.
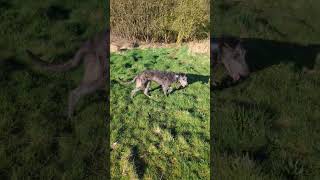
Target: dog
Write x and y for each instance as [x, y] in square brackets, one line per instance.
[230, 52]
[93, 54]
[164, 78]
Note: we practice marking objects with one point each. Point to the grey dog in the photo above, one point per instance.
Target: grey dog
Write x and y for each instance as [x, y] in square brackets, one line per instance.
[230, 52]
[163, 78]
[93, 54]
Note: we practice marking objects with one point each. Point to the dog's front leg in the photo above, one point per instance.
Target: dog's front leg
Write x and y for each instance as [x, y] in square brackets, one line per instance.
[165, 89]
[170, 89]
[146, 90]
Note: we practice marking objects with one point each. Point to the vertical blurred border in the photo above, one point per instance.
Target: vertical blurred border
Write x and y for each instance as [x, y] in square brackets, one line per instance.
[107, 120]
[212, 167]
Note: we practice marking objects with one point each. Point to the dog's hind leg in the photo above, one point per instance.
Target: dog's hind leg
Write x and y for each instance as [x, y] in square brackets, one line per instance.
[147, 89]
[93, 80]
[134, 91]
[165, 89]
[82, 90]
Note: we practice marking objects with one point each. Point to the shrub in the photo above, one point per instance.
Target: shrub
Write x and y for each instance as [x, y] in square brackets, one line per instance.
[163, 20]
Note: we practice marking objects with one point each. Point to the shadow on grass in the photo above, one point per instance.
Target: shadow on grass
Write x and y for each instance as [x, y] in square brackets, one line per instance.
[264, 53]
[193, 78]
[4, 5]
[11, 64]
[139, 163]
[96, 98]
[55, 12]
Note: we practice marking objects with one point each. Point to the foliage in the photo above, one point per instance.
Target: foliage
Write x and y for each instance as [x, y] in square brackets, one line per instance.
[163, 20]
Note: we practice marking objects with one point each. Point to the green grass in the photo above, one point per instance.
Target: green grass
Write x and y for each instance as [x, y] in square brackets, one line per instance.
[282, 20]
[166, 137]
[36, 140]
[267, 127]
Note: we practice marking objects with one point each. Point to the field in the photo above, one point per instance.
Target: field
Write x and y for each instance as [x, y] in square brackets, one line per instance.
[37, 141]
[264, 127]
[162, 137]
[267, 126]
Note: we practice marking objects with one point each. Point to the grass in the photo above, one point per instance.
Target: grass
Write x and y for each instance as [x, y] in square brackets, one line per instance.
[36, 140]
[267, 126]
[163, 137]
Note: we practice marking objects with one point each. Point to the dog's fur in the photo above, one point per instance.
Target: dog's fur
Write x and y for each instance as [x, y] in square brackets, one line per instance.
[94, 54]
[230, 52]
[163, 78]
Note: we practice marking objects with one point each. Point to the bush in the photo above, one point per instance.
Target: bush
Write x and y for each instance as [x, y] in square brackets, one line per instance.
[160, 20]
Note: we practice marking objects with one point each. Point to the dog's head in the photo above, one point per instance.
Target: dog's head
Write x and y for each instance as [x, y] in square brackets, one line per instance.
[236, 58]
[182, 79]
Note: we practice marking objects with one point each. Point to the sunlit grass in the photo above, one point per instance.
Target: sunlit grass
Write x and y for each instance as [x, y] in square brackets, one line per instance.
[166, 137]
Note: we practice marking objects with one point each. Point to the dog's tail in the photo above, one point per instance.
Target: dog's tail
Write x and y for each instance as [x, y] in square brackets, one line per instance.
[129, 82]
[40, 63]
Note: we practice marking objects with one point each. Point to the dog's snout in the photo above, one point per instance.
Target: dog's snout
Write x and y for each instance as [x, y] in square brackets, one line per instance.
[185, 84]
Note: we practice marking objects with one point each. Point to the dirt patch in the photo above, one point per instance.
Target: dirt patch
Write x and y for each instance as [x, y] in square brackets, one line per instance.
[118, 44]
[199, 47]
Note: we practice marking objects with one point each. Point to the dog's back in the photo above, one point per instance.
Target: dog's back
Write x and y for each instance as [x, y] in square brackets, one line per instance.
[159, 76]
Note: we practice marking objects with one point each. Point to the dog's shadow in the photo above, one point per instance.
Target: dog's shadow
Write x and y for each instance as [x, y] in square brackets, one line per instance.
[226, 83]
[193, 78]
[264, 53]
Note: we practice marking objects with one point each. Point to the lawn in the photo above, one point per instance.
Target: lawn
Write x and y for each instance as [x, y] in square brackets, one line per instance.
[163, 137]
[37, 141]
[267, 126]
